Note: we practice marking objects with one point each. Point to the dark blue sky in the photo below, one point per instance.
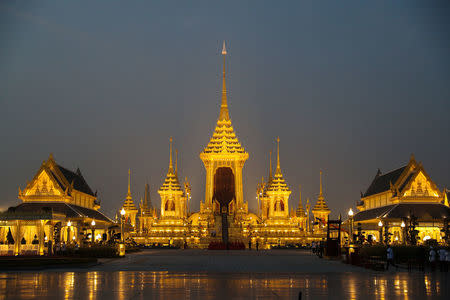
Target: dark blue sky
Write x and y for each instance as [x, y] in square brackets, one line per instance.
[348, 86]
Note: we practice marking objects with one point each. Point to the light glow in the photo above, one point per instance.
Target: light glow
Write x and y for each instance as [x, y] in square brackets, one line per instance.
[350, 212]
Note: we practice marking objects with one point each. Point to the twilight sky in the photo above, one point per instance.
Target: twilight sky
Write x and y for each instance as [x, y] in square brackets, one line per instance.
[348, 87]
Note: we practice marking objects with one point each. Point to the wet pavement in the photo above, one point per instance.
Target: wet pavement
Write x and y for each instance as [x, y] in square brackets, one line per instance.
[139, 277]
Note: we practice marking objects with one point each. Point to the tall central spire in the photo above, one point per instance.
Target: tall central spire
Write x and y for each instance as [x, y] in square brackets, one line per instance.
[170, 158]
[270, 166]
[278, 170]
[129, 184]
[224, 115]
[321, 189]
[176, 162]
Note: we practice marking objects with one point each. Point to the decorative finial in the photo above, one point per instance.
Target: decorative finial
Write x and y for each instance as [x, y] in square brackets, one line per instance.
[224, 115]
[412, 158]
[321, 191]
[278, 156]
[300, 194]
[224, 49]
[129, 184]
[270, 165]
[170, 156]
[176, 162]
[50, 157]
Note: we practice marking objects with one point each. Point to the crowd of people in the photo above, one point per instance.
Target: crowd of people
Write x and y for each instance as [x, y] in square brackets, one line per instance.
[318, 248]
[440, 257]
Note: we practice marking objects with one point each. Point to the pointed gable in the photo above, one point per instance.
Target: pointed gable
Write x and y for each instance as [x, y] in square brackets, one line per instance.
[418, 183]
[53, 179]
[44, 184]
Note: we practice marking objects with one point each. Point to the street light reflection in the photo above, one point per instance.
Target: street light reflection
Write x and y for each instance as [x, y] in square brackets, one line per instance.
[128, 284]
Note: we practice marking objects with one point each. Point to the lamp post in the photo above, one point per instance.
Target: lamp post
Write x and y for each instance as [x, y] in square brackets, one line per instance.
[403, 226]
[350, 215]
[380, 225]
[93, 230]
[122, 215]
[69, 224]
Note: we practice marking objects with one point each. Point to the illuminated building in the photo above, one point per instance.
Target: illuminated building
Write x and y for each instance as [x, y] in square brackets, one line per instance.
[272, 225]
[321, 210]
[147, 213]
[130, 209]
[394, 198]
[57, 205]
[171, 226]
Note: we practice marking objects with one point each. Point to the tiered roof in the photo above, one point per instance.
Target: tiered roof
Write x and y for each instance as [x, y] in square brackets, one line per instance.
[171, 182]
[224, 139]
[300, 211]
[146, 206]
[321, 205]
[128, 205]
[278, 183]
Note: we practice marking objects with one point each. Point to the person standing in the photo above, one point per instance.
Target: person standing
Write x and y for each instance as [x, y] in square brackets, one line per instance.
[390, 257]
[257, 245]
[432, 258]
[447, 259]
[442, 258]
[250, 244]
[63, 248]
[49, 248]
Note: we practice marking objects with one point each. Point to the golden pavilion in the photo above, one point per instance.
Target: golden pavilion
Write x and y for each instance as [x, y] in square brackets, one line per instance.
[57, 206]
[398, 198]
[273, 224]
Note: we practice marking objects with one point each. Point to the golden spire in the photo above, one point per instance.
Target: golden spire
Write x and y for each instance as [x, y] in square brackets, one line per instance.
[300, 210]
[129, 184]
[270, 165]
[321, 190]
[278, 170]
[300, 195]
[170, 157]
[224, 115]
[321, 205]
[176, 162]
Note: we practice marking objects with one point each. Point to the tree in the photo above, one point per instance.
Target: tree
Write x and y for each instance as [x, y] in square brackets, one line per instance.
[9, 237]
[412, 232]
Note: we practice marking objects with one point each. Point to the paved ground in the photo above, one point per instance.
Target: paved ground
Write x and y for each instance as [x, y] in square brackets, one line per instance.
[280, 261]
[197, 274]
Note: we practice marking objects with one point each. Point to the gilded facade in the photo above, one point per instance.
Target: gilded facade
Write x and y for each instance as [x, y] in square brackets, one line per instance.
[398, 198]
[273, 224]
[57, 206]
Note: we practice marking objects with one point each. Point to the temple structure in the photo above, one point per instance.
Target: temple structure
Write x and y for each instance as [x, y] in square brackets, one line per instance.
[402, 204]
[128, 205]
[273, 224]
[321, 210]
[57, 206]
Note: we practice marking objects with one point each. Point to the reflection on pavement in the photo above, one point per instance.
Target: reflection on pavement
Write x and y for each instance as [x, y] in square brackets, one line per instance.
[169, 285]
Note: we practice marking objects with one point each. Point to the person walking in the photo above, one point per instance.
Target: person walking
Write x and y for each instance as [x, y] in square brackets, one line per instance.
[432, 259]
[441, 256]
[63, 248]
[321, 247]
[390, 257]
[250, 244]
[447, 260]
